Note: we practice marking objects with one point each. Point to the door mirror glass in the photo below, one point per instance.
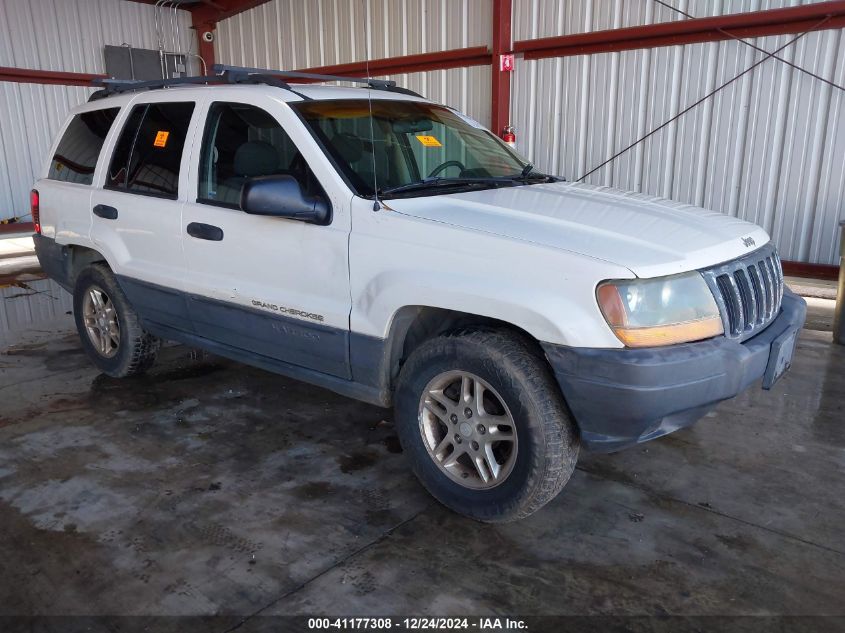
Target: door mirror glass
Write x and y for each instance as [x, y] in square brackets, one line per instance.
[282, 196]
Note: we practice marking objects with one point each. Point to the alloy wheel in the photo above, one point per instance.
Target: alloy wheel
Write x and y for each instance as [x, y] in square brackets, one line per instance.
[101, 323]
[468, 430]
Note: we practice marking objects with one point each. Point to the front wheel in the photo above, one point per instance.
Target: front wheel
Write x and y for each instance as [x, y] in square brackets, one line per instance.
[108, 325]
[484, 424]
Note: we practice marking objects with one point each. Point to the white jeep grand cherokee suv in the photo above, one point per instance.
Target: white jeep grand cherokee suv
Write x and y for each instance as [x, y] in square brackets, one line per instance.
[395, 251]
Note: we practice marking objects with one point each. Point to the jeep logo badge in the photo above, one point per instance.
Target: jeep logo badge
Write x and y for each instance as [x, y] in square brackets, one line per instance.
[748, 241]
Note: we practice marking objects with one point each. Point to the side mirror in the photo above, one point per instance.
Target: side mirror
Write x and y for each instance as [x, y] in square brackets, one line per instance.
[281, 196]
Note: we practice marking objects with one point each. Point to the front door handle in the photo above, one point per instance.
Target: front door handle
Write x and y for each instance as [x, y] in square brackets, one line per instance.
[205, 231]
[105, 211]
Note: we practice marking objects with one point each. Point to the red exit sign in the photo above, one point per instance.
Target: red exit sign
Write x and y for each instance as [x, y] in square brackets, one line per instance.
[506, 63]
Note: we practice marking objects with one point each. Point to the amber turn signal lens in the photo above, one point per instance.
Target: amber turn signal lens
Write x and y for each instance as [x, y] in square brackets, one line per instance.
[670, 334]
[611, 305]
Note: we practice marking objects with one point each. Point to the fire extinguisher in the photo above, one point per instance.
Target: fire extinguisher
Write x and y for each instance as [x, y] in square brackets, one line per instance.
[509, 136]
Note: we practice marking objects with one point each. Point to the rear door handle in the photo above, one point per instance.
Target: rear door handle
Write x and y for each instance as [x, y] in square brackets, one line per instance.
[205, 231]
[105, 211]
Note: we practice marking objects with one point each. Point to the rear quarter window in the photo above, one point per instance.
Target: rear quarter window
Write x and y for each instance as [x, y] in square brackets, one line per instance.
[76, 155]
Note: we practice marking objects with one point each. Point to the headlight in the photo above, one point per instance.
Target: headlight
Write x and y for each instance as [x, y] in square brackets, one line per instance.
[661, 311]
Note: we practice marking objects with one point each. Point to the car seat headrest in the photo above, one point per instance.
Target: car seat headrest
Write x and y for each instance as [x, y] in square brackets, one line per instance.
[256, 158]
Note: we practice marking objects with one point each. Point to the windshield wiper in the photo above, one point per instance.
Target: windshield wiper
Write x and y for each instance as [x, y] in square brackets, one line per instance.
[435, 182]
[526, 175]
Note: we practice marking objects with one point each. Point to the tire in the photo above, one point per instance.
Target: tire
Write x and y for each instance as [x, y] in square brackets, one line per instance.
[129, 349]
[534, 462]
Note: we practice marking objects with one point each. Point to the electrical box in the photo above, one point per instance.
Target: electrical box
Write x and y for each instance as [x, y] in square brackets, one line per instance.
[124, 62]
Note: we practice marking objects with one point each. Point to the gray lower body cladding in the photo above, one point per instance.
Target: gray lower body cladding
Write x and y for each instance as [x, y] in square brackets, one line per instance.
[621, 397]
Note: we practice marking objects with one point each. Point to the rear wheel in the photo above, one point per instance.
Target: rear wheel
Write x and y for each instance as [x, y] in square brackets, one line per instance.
[484, 424]
[109, 327]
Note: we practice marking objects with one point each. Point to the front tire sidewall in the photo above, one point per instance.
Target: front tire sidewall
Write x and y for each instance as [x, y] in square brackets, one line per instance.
[513, 497]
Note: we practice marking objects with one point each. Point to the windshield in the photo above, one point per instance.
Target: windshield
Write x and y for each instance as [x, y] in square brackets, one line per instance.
[409, 148]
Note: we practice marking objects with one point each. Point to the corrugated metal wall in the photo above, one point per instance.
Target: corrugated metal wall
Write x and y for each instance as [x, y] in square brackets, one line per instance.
[289, 34]
[770, 148]
[60, 35]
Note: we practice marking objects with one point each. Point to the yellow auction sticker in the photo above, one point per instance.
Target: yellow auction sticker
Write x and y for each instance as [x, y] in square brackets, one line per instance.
[161, 138]
[429, 141]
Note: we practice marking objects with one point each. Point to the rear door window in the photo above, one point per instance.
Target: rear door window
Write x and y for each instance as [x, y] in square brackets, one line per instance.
[148, 153]
[76, 155]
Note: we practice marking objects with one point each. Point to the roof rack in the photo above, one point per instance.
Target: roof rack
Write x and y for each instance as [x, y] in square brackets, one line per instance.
[379, 84]
[375, 84]
[238, 74]
[119, 86]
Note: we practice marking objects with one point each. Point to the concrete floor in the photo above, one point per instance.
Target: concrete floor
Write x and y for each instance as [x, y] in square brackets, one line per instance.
[208, 487]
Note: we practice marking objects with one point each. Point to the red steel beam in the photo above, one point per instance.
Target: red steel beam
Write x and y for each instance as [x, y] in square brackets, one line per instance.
[27, 75]
[812, 271]
[501, 85]
[216, 10]
[753, 24]
[17, 227]
[455, 58]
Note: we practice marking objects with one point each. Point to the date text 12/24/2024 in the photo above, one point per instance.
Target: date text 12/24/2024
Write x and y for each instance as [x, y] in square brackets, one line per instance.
[417, 624]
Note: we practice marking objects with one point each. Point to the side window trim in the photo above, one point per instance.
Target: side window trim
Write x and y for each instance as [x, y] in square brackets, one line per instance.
[201, 176]
[131, 148]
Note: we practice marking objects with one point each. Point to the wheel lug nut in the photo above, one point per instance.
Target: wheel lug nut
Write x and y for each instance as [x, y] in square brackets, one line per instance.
[454, 418]
[475, 446]
[468, 412]
[458, 439]
[480, 428]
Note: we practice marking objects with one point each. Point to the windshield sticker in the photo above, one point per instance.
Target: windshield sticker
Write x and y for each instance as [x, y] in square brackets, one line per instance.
[429, 141]
[161, 138]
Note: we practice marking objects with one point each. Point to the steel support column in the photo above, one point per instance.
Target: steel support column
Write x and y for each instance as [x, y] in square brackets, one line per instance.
[203, 25]
[501, 84]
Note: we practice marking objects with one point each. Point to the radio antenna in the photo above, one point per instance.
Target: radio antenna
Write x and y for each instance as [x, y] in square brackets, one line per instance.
[376, 205]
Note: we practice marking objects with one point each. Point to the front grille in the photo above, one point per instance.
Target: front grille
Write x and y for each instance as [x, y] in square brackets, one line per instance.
[748, 291]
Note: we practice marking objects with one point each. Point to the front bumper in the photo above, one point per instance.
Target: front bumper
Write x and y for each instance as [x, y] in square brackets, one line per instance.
[621, 397]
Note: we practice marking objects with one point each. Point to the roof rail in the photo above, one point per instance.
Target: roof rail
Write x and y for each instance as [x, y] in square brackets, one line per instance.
[236, 74]
[373, 83]
[116, 86]
[376, 84]
[119, 86]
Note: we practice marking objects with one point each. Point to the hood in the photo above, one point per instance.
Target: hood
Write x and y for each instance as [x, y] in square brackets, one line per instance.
[649, 236]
